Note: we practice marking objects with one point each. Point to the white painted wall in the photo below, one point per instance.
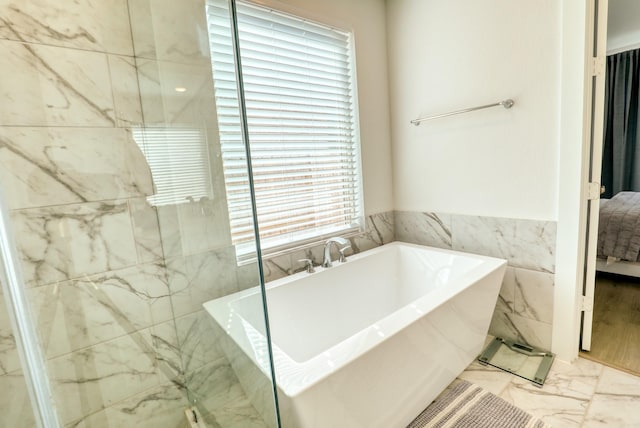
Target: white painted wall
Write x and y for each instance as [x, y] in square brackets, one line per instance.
[623, 25]
[446, 55]
[366, 18]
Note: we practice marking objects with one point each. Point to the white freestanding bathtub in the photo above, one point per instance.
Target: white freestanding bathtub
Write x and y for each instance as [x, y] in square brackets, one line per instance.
[370, 342]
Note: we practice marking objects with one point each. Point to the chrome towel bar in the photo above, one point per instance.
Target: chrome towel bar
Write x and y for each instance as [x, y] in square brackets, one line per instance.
[505, 103]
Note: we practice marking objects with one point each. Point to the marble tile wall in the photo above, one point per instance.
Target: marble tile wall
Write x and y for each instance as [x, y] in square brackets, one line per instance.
[379, 230]
[525, 305]
[88, 241]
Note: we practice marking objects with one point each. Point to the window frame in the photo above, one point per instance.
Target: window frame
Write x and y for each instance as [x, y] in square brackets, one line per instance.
[273, 246]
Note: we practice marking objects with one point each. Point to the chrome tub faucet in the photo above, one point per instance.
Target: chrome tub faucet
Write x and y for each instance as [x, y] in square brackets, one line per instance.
[343, 245]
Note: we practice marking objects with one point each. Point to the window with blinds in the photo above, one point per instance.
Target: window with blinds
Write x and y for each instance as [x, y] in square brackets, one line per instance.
[299, 87]
[179, 163]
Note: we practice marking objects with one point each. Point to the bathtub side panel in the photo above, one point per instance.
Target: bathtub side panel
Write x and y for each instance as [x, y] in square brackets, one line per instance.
[391, 384]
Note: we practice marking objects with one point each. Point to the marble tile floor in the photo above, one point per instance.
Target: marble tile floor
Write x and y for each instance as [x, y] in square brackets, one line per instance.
[583, 394]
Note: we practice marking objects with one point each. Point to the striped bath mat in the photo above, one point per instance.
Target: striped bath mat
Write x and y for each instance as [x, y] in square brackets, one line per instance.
[465, 405]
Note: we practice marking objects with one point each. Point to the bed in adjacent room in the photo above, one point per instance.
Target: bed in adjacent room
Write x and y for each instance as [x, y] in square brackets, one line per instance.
[619, 234]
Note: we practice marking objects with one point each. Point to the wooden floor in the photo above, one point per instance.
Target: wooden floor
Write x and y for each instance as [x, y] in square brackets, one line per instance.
[616, 323]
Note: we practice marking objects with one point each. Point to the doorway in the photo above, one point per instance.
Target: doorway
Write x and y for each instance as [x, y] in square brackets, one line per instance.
[612, 273]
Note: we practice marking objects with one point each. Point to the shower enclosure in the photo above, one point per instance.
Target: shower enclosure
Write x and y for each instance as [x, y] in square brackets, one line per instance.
[112, 179]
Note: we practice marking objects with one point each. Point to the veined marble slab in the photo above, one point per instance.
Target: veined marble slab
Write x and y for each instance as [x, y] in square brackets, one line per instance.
[51, 86]
[615, 401]
[432, 229]
[507, 297]
[565, 397]
[220, 397]
[126, 92]
[15, 405]
[198, 278]
[199, 342]
[9, 359]
[379, 230]
[523, 330]
[528, 244]
[72, 315]
[164, 337]
[94, 378]
[171, 31]
[94, 25]
[161, 406]
[146, 230]
[68, 241]
[534, 294]
[53, 166]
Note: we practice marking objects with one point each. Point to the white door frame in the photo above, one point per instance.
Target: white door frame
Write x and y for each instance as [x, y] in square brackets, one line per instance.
[595, 169]
[578, 18]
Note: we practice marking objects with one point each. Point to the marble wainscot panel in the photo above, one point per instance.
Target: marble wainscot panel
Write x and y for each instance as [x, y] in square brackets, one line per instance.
[379, 230]
[66, 242]
[525, 305]
[88, 25]
[55, 166]
[431, 229]
[528, 244]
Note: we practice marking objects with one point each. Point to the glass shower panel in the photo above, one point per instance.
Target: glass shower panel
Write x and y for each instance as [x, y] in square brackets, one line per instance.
[87, 241]
[180, 137]
[111, 169]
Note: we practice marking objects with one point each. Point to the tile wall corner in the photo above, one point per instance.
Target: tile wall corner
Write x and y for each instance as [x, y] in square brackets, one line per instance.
[524, 310]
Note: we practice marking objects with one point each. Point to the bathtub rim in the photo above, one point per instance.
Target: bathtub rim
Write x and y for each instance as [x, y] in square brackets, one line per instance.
[348, 350]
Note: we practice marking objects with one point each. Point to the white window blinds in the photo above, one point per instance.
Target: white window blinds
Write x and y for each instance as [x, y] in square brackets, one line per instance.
[302, 120]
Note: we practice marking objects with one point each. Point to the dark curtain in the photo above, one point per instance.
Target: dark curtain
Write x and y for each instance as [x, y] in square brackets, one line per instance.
[620, 159]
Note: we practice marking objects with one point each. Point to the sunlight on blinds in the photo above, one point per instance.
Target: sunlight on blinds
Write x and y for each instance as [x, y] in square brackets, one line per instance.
[302, 120]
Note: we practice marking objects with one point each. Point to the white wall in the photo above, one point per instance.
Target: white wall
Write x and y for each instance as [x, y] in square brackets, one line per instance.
[366, 18]
[623, 25]
[446, 55]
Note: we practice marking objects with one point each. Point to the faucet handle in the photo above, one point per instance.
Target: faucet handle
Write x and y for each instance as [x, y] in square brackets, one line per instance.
[342, 250]
[308, 264]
